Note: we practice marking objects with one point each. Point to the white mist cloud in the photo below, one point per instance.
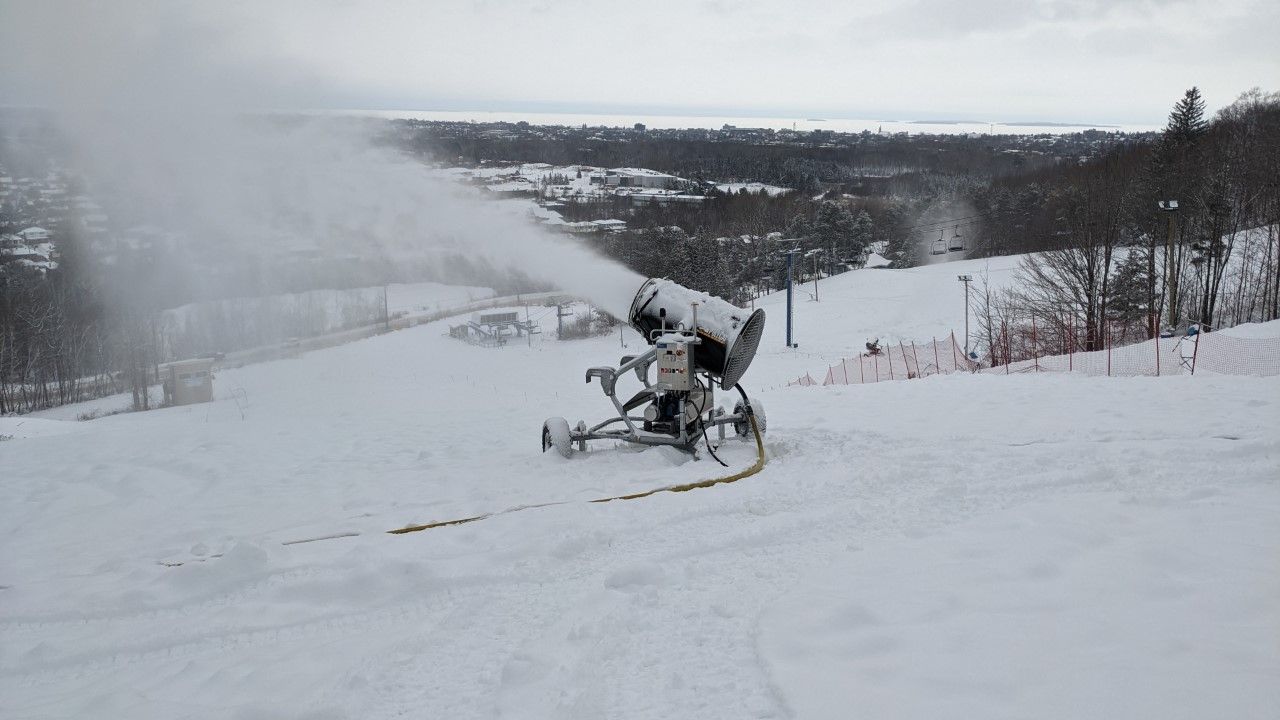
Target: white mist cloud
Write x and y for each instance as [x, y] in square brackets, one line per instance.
[162, 104]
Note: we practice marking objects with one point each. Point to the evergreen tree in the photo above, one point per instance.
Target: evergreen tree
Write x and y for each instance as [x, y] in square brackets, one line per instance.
[1129, 301]
[861, 237]
[1186, 122]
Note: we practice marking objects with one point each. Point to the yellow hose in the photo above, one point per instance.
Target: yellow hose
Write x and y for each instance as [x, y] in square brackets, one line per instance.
[757, 467]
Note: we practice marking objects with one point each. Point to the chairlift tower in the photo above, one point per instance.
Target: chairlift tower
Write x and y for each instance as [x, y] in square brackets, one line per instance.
[966, 279]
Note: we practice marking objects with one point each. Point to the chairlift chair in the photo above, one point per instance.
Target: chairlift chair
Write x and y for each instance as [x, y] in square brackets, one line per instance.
[957, 242]
[939, 245]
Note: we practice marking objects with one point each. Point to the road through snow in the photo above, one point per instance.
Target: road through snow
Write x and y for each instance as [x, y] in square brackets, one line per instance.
[719, 603]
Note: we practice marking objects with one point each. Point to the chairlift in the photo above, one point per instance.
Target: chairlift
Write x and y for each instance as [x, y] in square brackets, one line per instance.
[957, 242]
[939, 245]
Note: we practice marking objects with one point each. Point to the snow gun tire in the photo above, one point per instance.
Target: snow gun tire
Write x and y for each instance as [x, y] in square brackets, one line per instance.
[555, 434]
[743, 427]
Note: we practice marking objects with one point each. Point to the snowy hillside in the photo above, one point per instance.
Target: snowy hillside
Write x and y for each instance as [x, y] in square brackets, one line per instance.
[853, 308]
[959, 546]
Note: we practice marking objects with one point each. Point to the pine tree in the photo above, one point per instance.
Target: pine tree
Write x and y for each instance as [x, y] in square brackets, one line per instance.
[1186, 122]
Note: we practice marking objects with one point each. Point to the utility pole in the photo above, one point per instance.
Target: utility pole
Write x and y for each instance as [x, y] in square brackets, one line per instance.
[560, 316]
[966, 279]
[815, 278]
[528, 326]
[791, 256]
[1170, 207]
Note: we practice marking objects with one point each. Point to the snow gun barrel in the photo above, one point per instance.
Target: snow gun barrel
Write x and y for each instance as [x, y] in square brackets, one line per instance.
[727, 335]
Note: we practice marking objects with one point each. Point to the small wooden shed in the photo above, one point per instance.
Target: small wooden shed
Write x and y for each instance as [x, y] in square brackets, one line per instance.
[187, 381]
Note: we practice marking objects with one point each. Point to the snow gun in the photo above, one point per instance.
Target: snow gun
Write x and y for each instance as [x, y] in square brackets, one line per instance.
[697, 341]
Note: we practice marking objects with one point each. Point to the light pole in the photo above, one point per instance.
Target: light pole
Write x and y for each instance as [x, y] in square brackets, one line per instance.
[966, 279]
[1170, 208]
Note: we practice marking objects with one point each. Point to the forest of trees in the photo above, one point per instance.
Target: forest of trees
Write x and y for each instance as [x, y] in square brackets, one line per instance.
[1109, 256]
[1146, 238]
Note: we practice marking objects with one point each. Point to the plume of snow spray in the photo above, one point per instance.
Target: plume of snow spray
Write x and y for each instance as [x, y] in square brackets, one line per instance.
[168, 113]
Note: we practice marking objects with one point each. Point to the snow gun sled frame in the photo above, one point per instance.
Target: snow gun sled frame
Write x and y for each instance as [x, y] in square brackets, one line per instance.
[691, 354]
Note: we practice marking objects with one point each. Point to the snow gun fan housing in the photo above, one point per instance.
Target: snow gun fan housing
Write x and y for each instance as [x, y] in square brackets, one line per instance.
[728, 336]
[697, 341]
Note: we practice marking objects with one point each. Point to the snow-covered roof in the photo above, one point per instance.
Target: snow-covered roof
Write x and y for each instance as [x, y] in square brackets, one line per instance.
[26, 251]
[636, 172]
[37, 264]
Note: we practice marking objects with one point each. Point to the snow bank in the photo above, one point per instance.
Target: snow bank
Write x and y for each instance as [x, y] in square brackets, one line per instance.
[1095, 605]
[432, 296]
[1266, 330]
[16, 427]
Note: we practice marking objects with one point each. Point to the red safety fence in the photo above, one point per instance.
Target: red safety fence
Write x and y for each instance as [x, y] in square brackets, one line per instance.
[1212, 352]
[901, 361]
[804, 381]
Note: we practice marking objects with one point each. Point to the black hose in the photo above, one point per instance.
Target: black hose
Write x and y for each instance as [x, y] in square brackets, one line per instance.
[703, 427]
[707, 440]
[746, 403]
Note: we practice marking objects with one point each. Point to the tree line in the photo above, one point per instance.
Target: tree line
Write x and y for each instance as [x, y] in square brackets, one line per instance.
[1147, 238]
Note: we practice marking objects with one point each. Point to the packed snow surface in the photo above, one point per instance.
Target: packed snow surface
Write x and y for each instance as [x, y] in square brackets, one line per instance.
[959, 546]
[1267, 330]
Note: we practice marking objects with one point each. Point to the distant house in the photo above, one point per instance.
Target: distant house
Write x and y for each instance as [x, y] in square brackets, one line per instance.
[663, 198]
[38, 257]
[635, 177]
[24, 252]
[34, 235]
[594, 226]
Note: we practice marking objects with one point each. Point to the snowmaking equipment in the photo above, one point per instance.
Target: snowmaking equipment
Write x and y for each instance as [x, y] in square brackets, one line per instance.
[697, 341]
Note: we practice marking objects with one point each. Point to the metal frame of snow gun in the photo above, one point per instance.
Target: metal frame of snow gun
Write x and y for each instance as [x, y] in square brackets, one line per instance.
[688, 433]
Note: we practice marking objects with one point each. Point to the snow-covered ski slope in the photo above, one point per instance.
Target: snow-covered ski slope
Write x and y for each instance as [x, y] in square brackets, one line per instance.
[961, 546]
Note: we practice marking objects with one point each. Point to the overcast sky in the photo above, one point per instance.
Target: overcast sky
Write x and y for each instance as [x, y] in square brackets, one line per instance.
[1052, 60]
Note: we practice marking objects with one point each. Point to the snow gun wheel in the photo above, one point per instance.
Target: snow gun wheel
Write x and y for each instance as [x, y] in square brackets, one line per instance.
[743, 427]
[555, 434]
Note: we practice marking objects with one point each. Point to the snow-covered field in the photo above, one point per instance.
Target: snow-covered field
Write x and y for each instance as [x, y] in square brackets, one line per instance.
[959, 546]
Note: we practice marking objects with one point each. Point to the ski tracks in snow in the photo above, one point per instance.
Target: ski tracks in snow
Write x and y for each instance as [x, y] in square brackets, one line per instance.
[641, 609]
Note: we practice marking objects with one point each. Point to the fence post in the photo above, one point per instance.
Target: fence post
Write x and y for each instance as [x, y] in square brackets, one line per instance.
[903, 348]
[936, 362]
[888, 356]
[862, 374]
[1157, 338]
[876, 357]
[1195, 351]
[1008, 353]
[919, 372]
[1106, 340]
[1071, 344]
[844, 370]
[1035, 348]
